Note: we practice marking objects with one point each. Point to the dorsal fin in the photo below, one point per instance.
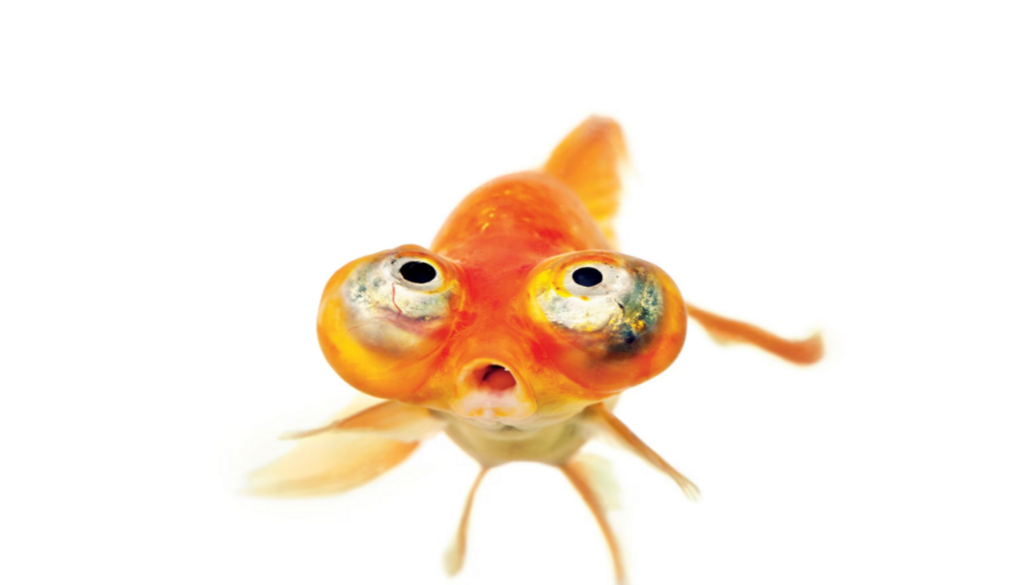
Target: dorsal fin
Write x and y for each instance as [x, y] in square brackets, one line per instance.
[589, 161]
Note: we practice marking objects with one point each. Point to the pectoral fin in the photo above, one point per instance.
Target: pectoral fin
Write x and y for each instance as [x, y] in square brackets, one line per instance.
[390, 420]
[324, 463]
[607, 423]
[725, 331]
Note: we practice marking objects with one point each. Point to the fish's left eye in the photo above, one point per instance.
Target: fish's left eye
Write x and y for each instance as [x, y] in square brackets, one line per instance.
[607, 303]
[595, 279]
[606, 320]
[587, 276]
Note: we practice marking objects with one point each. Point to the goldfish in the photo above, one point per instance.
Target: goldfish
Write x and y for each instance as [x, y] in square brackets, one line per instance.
[513, 334]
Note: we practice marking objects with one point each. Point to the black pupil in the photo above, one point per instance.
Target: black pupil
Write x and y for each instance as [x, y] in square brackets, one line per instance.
[418, 272]
[587, 276]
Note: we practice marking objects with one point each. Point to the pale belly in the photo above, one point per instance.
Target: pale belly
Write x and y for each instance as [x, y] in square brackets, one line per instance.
[491, 447]
[554, 444]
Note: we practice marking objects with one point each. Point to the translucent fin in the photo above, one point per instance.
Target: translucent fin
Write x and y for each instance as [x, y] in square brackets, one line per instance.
[591, 481]
[608, 423]
[455, 556]
[803, 352]
[330, 463]
[589, 161]
[602, 477]
[391, 420]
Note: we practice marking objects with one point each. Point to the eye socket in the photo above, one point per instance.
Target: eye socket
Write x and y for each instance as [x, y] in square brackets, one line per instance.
[418, 272]
[587, 276]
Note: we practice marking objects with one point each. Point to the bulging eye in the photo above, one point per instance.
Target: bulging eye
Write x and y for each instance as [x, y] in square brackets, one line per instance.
[404, 290]
[595, 279]
[588, 276]
[415, 273]
[383, 316]
[418, 272]
[393, 301]
[602, 302]
[607, 321]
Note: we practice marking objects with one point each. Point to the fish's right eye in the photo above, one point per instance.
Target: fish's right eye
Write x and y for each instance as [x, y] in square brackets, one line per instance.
[414, 273]
[382, 316]
[418, 272]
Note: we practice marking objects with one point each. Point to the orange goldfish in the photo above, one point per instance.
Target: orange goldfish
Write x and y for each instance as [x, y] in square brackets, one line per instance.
[513, 334]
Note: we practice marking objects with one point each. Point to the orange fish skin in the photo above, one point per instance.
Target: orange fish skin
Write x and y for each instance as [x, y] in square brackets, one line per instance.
[503, 242]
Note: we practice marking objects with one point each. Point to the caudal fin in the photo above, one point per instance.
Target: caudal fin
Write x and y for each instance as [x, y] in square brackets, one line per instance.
[589, 160]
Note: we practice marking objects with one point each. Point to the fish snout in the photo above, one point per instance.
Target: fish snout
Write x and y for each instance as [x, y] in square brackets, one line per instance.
[491, 390]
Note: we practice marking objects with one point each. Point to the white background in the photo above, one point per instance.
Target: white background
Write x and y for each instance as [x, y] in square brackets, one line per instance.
[179, 180]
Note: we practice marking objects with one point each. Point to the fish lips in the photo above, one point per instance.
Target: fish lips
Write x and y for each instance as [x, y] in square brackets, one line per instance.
[490, 391]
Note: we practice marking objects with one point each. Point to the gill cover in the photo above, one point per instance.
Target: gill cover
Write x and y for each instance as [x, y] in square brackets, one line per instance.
[383, 317]
[611, 320]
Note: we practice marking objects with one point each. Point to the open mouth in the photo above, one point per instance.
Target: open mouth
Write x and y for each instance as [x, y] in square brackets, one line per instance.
[495, 378]
[491, 391]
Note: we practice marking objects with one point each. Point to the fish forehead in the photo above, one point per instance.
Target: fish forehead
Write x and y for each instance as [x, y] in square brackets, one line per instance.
[499, 270]
[531, 214]
[499, 233]
[495, 280]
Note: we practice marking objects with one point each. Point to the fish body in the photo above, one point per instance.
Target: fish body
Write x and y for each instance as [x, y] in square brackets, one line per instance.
[514, 334]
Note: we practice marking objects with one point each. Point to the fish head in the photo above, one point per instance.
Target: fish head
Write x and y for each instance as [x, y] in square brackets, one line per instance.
[515, 344]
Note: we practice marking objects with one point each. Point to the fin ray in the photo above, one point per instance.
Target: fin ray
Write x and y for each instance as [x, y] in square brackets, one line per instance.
[329, 463]
[455, 556]
[392, 420]
[611, 425]
[589, 161]
[595, 491]
[725, 331]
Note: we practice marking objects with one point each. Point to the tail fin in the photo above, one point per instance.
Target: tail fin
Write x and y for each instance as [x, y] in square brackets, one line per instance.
[588, 160]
